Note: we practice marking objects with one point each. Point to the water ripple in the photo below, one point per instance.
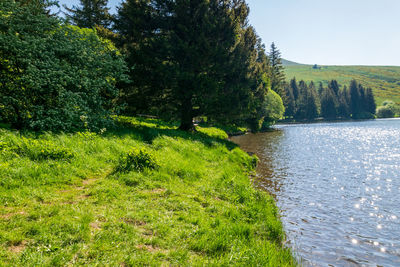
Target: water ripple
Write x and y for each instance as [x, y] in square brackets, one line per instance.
[337, 185]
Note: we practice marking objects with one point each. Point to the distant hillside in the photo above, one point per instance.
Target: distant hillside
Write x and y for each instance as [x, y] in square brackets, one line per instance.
[384, 80]
[289, 63]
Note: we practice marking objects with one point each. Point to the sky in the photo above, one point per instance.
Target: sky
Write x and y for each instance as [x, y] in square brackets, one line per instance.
[326, 32]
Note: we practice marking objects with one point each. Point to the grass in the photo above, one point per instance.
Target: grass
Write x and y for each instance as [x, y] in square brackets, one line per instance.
[65, 202]
[384, 80]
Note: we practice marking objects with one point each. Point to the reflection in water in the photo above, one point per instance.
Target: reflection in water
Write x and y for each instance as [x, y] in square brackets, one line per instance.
[337, 185]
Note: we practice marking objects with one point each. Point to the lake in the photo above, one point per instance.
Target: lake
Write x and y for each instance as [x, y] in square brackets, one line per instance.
[338, 189]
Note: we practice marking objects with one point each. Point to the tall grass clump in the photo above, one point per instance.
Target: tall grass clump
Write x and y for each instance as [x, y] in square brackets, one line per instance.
[136, 159]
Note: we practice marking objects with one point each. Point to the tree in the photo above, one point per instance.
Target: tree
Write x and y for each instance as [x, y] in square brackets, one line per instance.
[54, 77]
[307, 105]
[89, 14]
[193, 58]
[312, 103]
[334, 86]
[355, 101]
[321, 89]
[290, 104]
[277, 73]
[343, 109]
[370, 101]
[328, 104]
[294, 87]
[274, 108]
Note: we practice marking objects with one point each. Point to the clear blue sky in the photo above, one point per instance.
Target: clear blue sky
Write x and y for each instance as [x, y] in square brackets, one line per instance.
[327, 32]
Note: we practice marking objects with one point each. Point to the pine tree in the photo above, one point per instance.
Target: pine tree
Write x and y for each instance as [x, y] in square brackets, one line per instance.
[277, 71]
[290, 105]
[89, 14]
[192, 58]
[294, 88]
[355, 101]
[312, 103]
[334, 86]
[328, 104]
[370, 101]
[343, 110]
[320, 89]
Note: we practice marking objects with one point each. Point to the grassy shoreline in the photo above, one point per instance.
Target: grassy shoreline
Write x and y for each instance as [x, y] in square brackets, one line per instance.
[63, 203]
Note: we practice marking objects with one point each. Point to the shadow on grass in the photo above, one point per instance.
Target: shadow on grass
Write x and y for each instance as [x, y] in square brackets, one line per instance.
[150, 132]
[147, 130]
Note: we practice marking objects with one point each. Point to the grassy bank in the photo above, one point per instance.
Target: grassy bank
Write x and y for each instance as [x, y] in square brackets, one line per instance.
[69, 199]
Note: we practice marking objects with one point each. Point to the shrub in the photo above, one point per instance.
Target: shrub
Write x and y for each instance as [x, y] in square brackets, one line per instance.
[385, 112]
[54, 77]
[136, 159]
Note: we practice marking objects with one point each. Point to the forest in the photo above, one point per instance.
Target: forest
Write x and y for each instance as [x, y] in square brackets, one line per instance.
[306, 102]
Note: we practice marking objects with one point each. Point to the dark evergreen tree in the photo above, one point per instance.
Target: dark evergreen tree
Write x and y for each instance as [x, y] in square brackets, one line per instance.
[343, 109]
[355, 101]
[89, 14]
[193, 58]
[320, 89]
[362, 99]
[312, 103]
[307, 104]
[328, 104]
[334, 86]
[370, 101]
[290, 105]
[294, 88]
[277, 73]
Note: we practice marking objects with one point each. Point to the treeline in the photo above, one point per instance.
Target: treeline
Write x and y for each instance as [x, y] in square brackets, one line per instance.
[174, 59]
[306, 102]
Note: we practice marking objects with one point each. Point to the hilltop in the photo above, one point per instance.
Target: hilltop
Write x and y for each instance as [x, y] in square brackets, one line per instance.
[384, 80]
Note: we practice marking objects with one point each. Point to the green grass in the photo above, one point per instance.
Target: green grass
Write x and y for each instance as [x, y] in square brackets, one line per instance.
[384, 80]
[65, 202]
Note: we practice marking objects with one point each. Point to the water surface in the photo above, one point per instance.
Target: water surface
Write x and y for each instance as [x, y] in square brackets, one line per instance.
[338, 188]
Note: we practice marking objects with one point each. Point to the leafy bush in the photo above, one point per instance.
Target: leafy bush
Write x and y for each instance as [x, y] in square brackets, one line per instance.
[385, 112]
[274, 108]
[37, 150]
[54, 77]
[136, 159]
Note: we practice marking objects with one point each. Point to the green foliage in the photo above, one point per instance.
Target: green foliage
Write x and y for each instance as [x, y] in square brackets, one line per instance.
[277, 72]
[388, 110]
[307, 102]
[197, 208]
[36, 149]
[274, 108]
[330, 103]
[191, 59]
[213, 132]
[384, 80]
[136, 159]
[384, 112]
[90, 13]
[54, 77]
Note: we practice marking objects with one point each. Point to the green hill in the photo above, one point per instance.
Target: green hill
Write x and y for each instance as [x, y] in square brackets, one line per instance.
[384, 80]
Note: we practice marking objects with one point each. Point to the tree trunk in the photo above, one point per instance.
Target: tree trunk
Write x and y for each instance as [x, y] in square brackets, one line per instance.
[187, 116]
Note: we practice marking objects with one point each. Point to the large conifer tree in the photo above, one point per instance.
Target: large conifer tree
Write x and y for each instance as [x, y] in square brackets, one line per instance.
[328, 104]
[89, 13]
[277, 73]
[192, 57]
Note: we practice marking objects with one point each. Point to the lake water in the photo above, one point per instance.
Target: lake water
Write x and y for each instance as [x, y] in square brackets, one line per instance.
[338, 188]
